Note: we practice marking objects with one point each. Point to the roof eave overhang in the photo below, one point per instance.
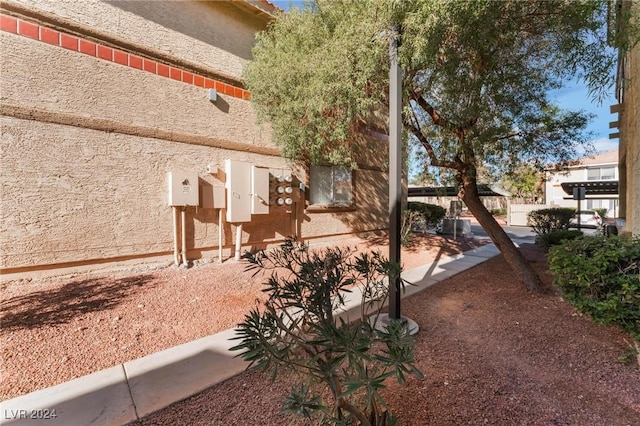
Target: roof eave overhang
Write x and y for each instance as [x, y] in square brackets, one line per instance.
[592, 188]
[261, 9]
[449, 191]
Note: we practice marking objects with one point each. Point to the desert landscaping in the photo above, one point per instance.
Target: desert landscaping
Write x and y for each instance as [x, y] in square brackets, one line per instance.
[491, 351]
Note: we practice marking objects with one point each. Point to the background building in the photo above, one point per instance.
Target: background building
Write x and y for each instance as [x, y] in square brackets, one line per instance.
[598, 174]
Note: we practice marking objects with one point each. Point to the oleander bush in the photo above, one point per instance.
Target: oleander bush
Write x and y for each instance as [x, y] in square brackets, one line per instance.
[296, 330]
[600, 277]
[544, 221]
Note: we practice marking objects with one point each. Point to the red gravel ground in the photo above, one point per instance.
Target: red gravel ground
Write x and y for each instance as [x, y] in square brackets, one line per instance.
[57, 329]
[492, 352]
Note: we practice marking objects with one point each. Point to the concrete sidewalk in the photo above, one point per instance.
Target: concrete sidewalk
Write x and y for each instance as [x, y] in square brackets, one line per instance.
[129, 391]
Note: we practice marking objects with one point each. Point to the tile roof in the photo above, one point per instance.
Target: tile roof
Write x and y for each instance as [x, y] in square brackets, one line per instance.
[269, 4]
[608, 157]
[451, 191]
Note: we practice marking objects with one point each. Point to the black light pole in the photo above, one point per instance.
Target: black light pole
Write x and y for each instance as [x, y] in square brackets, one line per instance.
[395, 167]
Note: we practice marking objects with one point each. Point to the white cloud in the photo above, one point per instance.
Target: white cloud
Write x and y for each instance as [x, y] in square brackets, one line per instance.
[605, 144]
[601, 145]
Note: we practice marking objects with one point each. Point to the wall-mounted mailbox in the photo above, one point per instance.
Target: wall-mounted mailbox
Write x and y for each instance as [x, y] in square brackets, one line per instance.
[183, 189]
[238, 185]
[259, 190]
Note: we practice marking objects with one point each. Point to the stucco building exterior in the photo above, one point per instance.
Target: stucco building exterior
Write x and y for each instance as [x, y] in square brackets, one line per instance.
[100, 100]
[628, 123]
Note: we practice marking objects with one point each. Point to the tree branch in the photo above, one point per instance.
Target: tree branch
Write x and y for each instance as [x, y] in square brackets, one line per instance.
[362, 418]
[509, 135]
[437, 119]
[430, 152]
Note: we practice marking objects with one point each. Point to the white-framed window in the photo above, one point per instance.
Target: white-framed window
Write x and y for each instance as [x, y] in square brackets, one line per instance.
[610, 205]
[601, 173]
[594, 204]
[331, 186]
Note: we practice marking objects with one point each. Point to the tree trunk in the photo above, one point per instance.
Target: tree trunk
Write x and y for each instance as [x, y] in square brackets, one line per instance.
[513, 256]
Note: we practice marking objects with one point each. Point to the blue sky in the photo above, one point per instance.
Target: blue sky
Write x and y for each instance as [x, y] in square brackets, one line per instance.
[573, 97]
[287, 4]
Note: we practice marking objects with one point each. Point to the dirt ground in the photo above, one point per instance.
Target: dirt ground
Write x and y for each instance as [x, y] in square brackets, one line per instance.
[491, 351]
[57, 329]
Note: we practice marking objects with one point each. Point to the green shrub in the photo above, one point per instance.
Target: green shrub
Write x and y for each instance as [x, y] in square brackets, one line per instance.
[296, 331]
[554, 238]
[600, 277]
[602, 212]
[544, 221]
[432, 214]
[419, 216]
[499, 212]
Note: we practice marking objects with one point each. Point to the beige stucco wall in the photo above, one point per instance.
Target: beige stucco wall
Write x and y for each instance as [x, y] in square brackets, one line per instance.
[73, 195]
[629, 118]
[630, 132]
[76, 195]
[67, 82]
[212, 33]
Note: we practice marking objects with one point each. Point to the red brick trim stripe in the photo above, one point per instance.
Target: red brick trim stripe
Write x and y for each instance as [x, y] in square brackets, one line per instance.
[67, 41]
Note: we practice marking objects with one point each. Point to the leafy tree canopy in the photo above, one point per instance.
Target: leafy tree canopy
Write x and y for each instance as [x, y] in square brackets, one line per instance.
[318, 78]
[476, 78]
[523, 182]
[477, 68]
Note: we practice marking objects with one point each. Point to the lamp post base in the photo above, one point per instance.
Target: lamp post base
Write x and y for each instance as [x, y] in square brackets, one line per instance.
[382, 321]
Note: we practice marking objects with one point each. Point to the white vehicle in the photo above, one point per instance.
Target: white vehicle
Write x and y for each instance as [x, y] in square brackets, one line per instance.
[588, 219]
